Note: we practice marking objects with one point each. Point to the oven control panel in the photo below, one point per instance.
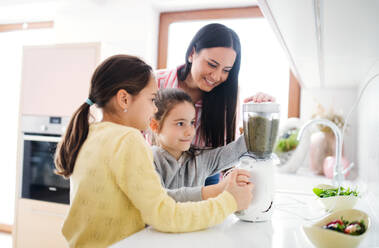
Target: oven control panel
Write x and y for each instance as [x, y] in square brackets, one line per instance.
[44, 124]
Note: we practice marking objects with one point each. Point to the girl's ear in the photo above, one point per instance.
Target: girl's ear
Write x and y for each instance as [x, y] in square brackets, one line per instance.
[154, 125]
[123, 99]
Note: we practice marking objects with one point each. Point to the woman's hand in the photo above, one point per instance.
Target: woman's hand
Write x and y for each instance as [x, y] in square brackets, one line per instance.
[260, 97]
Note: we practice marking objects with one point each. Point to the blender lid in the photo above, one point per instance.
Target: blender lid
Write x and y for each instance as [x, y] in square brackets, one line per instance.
[266, 107]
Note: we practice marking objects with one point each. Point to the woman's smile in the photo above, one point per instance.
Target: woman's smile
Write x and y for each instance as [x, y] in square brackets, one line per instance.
[210, 83]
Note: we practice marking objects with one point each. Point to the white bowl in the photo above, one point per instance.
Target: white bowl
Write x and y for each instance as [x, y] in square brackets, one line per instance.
[336, 203]
[325, 238]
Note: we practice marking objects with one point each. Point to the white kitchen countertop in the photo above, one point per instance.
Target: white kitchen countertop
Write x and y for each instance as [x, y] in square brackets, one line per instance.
[283, 231]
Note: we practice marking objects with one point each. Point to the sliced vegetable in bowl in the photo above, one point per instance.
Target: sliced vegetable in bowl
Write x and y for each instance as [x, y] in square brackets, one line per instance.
[345, 228]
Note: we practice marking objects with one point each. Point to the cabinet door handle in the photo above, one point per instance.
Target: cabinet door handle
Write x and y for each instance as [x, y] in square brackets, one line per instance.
[40, 212]
[41, 138]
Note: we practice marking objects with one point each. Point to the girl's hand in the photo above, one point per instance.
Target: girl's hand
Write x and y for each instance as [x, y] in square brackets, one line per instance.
[211, 191]
[242, 194]
[241, 130]
[223, 182]
[243, 177]
[260, 97]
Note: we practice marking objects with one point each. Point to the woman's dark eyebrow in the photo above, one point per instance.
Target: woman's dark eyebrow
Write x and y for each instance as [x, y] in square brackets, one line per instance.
[214, 61]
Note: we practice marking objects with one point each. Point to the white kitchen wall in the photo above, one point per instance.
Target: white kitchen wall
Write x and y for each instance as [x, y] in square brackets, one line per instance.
[368, 136]
[11, 44]
[340, 101]
[122, 26]
[18, 11]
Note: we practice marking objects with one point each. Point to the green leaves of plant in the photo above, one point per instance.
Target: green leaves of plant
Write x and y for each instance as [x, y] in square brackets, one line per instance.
[323, 193]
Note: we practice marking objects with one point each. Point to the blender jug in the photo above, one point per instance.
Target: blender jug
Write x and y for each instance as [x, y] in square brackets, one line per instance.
[260, 124]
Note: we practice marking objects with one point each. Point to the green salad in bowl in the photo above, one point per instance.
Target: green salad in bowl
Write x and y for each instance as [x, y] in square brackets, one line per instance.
[328, 192]
[287, 142]
[333, 199]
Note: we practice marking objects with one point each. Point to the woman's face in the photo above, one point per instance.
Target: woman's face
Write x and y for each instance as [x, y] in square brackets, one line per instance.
[211, 66]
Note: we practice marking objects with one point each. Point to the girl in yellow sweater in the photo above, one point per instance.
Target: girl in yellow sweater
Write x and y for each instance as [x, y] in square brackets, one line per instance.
[114, 187]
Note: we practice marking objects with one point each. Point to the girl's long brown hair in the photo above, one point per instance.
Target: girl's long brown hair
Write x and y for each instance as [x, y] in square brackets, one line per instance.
[115, 73]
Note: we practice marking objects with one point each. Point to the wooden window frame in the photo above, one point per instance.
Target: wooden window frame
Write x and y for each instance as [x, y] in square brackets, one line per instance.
[25, 26]
[5, 228]
[167, 18]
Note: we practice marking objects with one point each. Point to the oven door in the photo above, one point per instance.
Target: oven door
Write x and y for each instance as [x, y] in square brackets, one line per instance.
[39, 182]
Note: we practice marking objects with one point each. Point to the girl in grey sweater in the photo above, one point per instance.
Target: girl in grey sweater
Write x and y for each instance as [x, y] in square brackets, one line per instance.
[183, 168]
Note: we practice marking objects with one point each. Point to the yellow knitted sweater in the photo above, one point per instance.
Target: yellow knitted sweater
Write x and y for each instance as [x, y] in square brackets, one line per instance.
[115, 191]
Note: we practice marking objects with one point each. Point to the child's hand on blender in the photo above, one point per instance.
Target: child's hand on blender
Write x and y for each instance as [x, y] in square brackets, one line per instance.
[242, 194]
[243, 177]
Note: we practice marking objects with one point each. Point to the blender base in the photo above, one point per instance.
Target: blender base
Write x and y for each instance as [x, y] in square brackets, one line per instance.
[251, 215]
[262, 175]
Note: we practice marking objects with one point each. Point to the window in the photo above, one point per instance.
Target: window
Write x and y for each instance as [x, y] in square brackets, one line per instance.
[264, 66]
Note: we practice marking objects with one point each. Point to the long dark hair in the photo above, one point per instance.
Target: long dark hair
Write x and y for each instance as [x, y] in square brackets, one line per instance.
[218, 121]
[115, 73]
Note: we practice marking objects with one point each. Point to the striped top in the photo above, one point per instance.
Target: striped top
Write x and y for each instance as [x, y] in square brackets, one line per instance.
[168, 78]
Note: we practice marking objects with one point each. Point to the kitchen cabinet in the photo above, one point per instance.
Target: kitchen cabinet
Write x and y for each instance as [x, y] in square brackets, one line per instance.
[55, 82]
[330, 44]
[56, 78]
[39, 224]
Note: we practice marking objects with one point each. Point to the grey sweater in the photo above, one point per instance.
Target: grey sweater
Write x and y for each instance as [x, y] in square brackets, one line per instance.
[183, 179]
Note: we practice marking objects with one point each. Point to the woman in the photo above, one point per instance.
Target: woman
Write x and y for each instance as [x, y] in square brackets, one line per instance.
[210, 77]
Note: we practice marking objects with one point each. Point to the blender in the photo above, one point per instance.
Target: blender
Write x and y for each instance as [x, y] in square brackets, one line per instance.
[260, 124]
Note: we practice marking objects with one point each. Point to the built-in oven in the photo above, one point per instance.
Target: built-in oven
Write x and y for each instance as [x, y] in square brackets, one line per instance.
[40, 136]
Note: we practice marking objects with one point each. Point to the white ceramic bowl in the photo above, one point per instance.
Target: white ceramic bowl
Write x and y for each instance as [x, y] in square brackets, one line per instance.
[325, 238]
[336, 203]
